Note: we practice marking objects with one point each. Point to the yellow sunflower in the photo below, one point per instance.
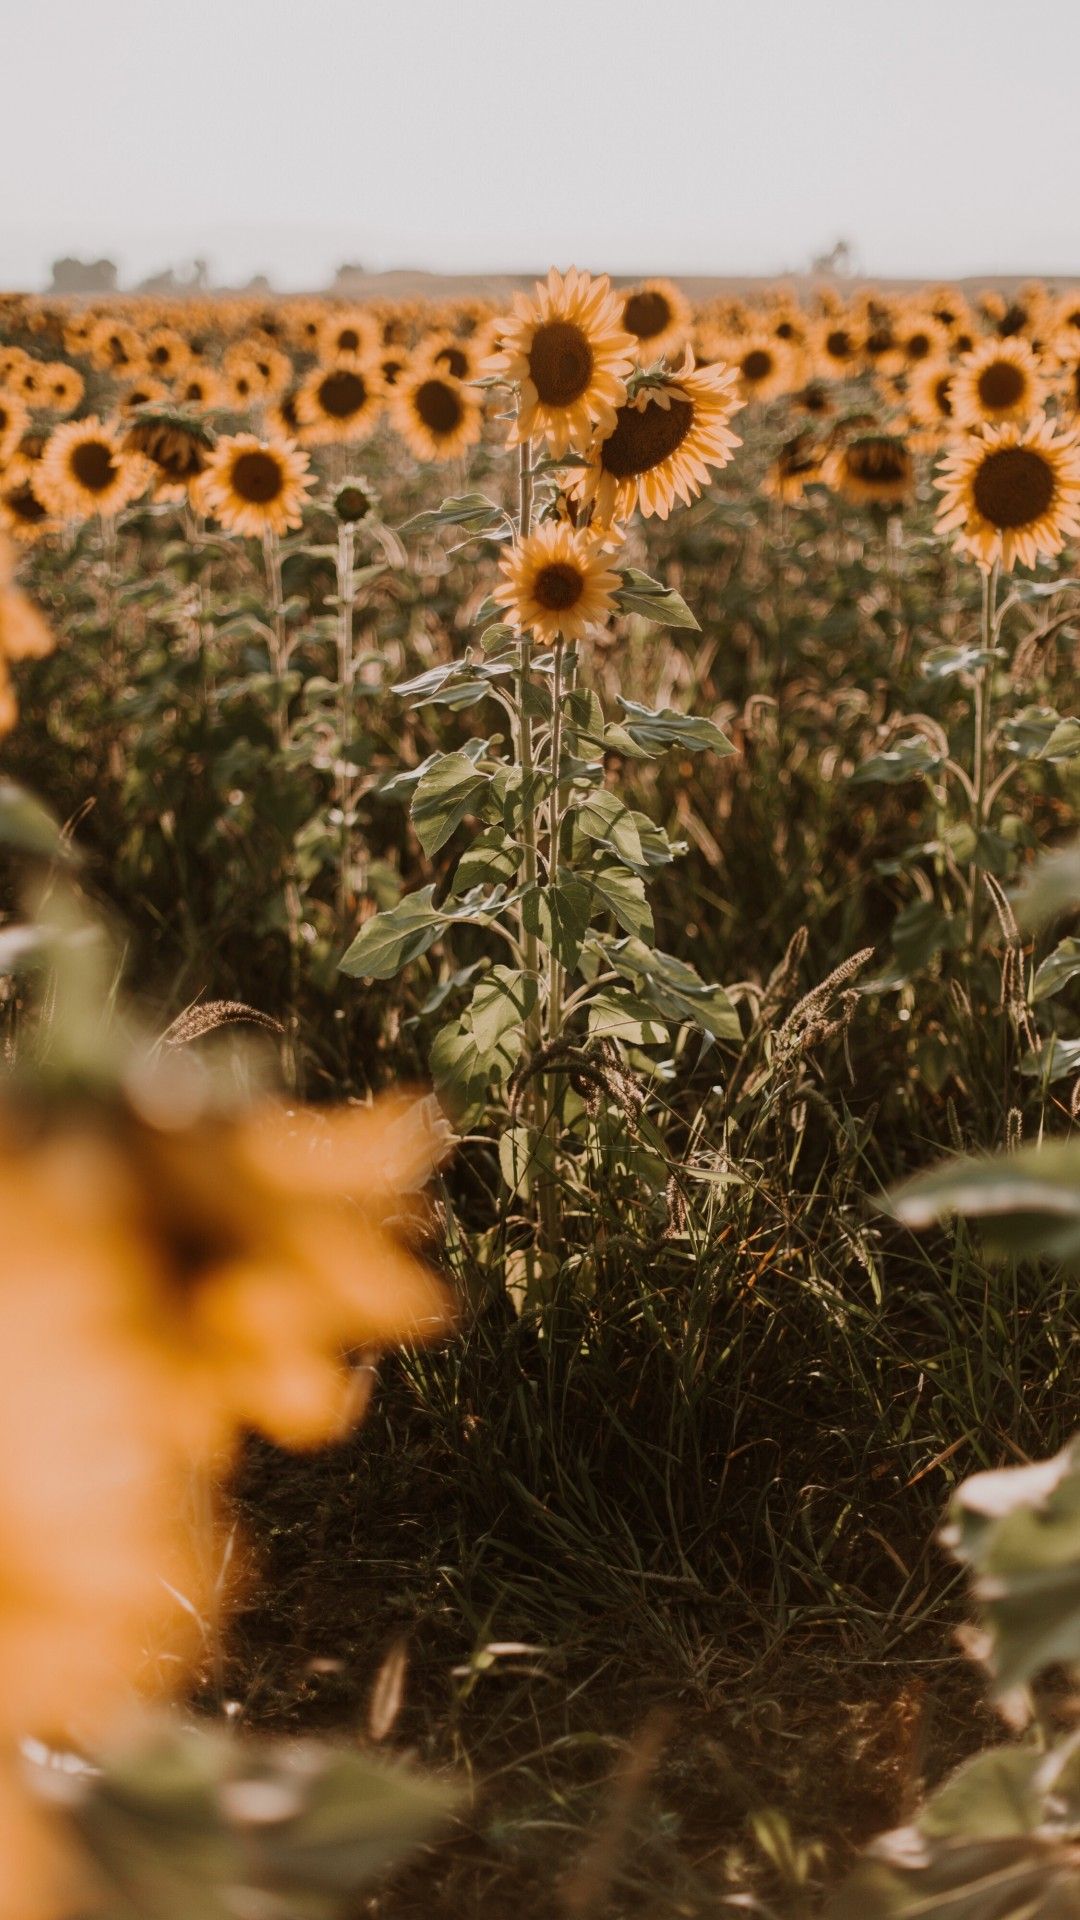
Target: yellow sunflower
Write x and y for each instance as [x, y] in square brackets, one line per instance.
[24, 632]
[916, 337]
[662, 444]
[557, 584]
[765, 367]
[1011, 493]
[797, 466]
[351, 331]
[929, 397]
[263, 365]
[873, 470]
[23, 513]
[658, 316]
[341, 402]
[568, 354]
[116, 347]
[837, 343]
[437, 417]
[14, 420]
[1001, 381]
[167, 352]
[444, 353]
[255, 486]
[61, 387]
[177, 446]
[200, 387]
[84, 470]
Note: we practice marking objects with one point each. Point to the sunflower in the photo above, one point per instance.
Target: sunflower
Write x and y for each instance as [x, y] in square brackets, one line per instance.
[141, 393]
[24, 632]
[61, 387]
[557, 584]
[444, 353]
[254, 486]
[258, 362]
[798, 465]
[662, 444]
[765, 366]
[918, 336]
[837, 343]
[1011, 493]
[199, 387]
[177, 446]
[437, 417]
[14, 420]
[23, 514]
[999, 382]
[116, 347]
[339, 403]
[569, 356]
[167, 352]
[929, 398]
[873, 470]
[350, 331]
[658, 316]
[85, 470]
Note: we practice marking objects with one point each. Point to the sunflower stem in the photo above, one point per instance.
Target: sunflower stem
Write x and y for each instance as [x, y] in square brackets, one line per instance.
[290, 889]
[343, 783]
[981, 714]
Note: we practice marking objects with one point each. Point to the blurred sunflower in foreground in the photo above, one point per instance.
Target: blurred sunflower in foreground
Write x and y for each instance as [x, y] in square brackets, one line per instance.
[24, 635]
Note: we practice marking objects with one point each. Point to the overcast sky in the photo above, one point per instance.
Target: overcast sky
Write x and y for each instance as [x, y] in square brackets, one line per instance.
[937, 136]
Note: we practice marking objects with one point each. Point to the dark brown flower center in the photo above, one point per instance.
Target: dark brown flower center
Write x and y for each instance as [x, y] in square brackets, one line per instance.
[558, 586]
[918, 346]
[438, 406]
[838, 344]
[560, 363]
[348, 340]
[160, 355]
[942, 397]
[343, 393]
[1014, 487]
[93, 466]
[647, 314]
[878, 460]
[757, 364]
[784, 330]
[352, 504]
[5, 418]
[23, 502]
[1001, 385]
[257, 477]
[644, 438]
[391, 370]
[453, 361]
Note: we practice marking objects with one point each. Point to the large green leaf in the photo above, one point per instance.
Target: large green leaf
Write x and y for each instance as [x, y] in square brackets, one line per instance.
[447, 791]
[673, 988]
[603, 817]
[28, 826]
[1028, 1201]
[559, 916]
[617, 891]
[908, 760]
[639, 593]
[1057, 970]
[664, 727]
[473, 513]
[389, 940]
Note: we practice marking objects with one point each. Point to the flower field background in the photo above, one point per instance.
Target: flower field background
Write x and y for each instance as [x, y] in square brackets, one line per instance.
[653, 730]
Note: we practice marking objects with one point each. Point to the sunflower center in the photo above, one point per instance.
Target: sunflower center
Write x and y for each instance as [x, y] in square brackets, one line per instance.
[342, 393]
[941, 393]
[880, 461]
[646, 314]
[784, 330]
[757, 364]
[560, 363]
[1013, 487]
[558, 586]
[5, 418]
[644, 438]
[438, 406]
[838, 344]
[1001, 384]
[352, 504]
[93, 466]
[23, 502]
[918, 346]
[257, 477]
[348, 340]
[454, 361]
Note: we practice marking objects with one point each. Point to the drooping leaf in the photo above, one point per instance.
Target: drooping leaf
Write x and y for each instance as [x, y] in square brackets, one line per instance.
[472, 512]
[908, 760]
[664, 727]
[1028, 1201]
[1057, 970]
[447, 791]
[639, 593]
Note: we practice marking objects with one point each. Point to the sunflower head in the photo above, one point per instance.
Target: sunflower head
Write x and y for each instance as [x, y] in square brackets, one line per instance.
[665, 437]
[569, 356]
[1000, 381]
[353, 501]
[557, 584]
[256, 486]
[1011, 494]
[437, 416]
[658, 317]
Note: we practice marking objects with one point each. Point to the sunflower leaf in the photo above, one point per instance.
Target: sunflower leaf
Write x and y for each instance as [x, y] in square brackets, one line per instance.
[639, 593]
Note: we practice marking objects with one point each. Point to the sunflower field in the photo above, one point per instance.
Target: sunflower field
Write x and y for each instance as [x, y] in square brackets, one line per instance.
[540, 998]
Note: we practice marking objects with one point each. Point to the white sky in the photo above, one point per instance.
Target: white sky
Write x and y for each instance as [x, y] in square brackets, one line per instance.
[938, 136]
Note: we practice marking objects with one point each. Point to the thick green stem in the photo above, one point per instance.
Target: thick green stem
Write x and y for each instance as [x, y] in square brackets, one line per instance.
[290, 888]
[343, 781]
[981, 705]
